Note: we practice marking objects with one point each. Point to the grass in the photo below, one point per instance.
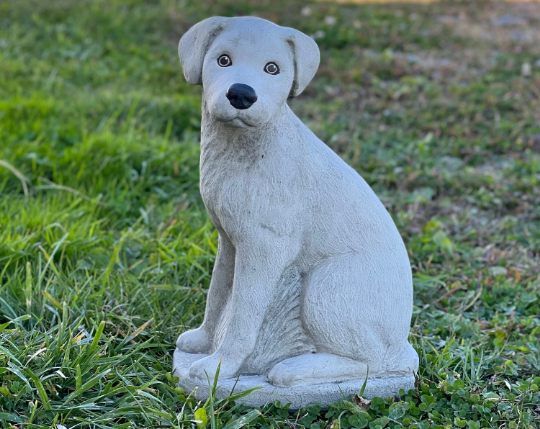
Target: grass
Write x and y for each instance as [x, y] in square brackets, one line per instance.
[106, 250]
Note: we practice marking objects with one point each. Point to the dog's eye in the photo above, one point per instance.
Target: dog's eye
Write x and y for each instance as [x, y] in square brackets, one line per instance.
[271, 68]
[224, 61]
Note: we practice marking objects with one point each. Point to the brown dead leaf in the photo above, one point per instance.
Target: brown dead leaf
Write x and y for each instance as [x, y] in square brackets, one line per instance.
[362, 402]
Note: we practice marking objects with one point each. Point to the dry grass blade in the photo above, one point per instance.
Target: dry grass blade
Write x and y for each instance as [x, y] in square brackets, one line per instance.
[140, 329]
[22, 178]
[52, 185]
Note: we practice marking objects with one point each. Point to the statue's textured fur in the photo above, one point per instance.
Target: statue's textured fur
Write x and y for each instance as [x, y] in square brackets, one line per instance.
[312, 282]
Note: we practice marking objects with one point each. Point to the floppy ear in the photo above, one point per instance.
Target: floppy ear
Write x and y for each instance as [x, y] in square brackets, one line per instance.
[306, 57]
[194, 45]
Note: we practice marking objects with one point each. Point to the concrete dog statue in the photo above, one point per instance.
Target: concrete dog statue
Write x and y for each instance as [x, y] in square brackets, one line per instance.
[312, 282]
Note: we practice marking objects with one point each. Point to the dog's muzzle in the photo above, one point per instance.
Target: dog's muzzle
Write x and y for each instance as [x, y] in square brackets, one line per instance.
[241, 96]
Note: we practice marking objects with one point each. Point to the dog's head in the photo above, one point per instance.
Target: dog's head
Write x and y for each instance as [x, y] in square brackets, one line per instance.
[248, 67]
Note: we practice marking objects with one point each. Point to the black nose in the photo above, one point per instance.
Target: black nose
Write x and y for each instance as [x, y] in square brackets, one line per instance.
[241, 96]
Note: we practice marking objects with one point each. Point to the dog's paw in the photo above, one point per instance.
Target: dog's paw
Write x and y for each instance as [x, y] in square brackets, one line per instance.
[194, 341]
[284, 376]
[208, 367]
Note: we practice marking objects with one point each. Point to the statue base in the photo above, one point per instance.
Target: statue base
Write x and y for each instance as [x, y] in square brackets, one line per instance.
[297, 397]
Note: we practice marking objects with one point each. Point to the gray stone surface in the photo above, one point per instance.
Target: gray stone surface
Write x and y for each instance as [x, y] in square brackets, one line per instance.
[298, 396]
[312, 283]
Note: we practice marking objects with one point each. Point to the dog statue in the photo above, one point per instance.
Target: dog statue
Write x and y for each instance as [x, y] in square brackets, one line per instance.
[312, 283]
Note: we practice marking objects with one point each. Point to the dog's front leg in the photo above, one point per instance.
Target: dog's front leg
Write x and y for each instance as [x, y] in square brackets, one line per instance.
[200, 340]
[259, 267]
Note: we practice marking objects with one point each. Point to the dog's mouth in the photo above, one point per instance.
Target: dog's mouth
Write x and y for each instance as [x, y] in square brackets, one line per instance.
[239, 123]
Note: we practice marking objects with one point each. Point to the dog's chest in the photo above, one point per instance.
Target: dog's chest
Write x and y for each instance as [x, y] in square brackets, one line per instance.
[219, 186]
[236, 185]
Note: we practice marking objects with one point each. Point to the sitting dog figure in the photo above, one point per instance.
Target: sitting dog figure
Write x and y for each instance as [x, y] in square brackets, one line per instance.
[312, 282]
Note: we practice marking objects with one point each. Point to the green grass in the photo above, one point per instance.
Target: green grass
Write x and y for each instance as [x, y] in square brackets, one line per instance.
[106, 250]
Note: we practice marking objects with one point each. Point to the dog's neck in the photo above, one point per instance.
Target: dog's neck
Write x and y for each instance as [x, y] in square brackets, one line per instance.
[220, 138]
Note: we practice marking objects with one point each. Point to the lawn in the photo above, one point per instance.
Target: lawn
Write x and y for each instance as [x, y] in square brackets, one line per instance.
[106, 249]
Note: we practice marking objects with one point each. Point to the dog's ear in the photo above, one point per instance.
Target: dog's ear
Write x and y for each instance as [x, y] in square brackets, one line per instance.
[194, 45]
[306, 57]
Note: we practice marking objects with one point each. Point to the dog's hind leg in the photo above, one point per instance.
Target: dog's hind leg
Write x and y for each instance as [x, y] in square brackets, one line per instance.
[404, 364]
[360, 308]
[316, 368]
